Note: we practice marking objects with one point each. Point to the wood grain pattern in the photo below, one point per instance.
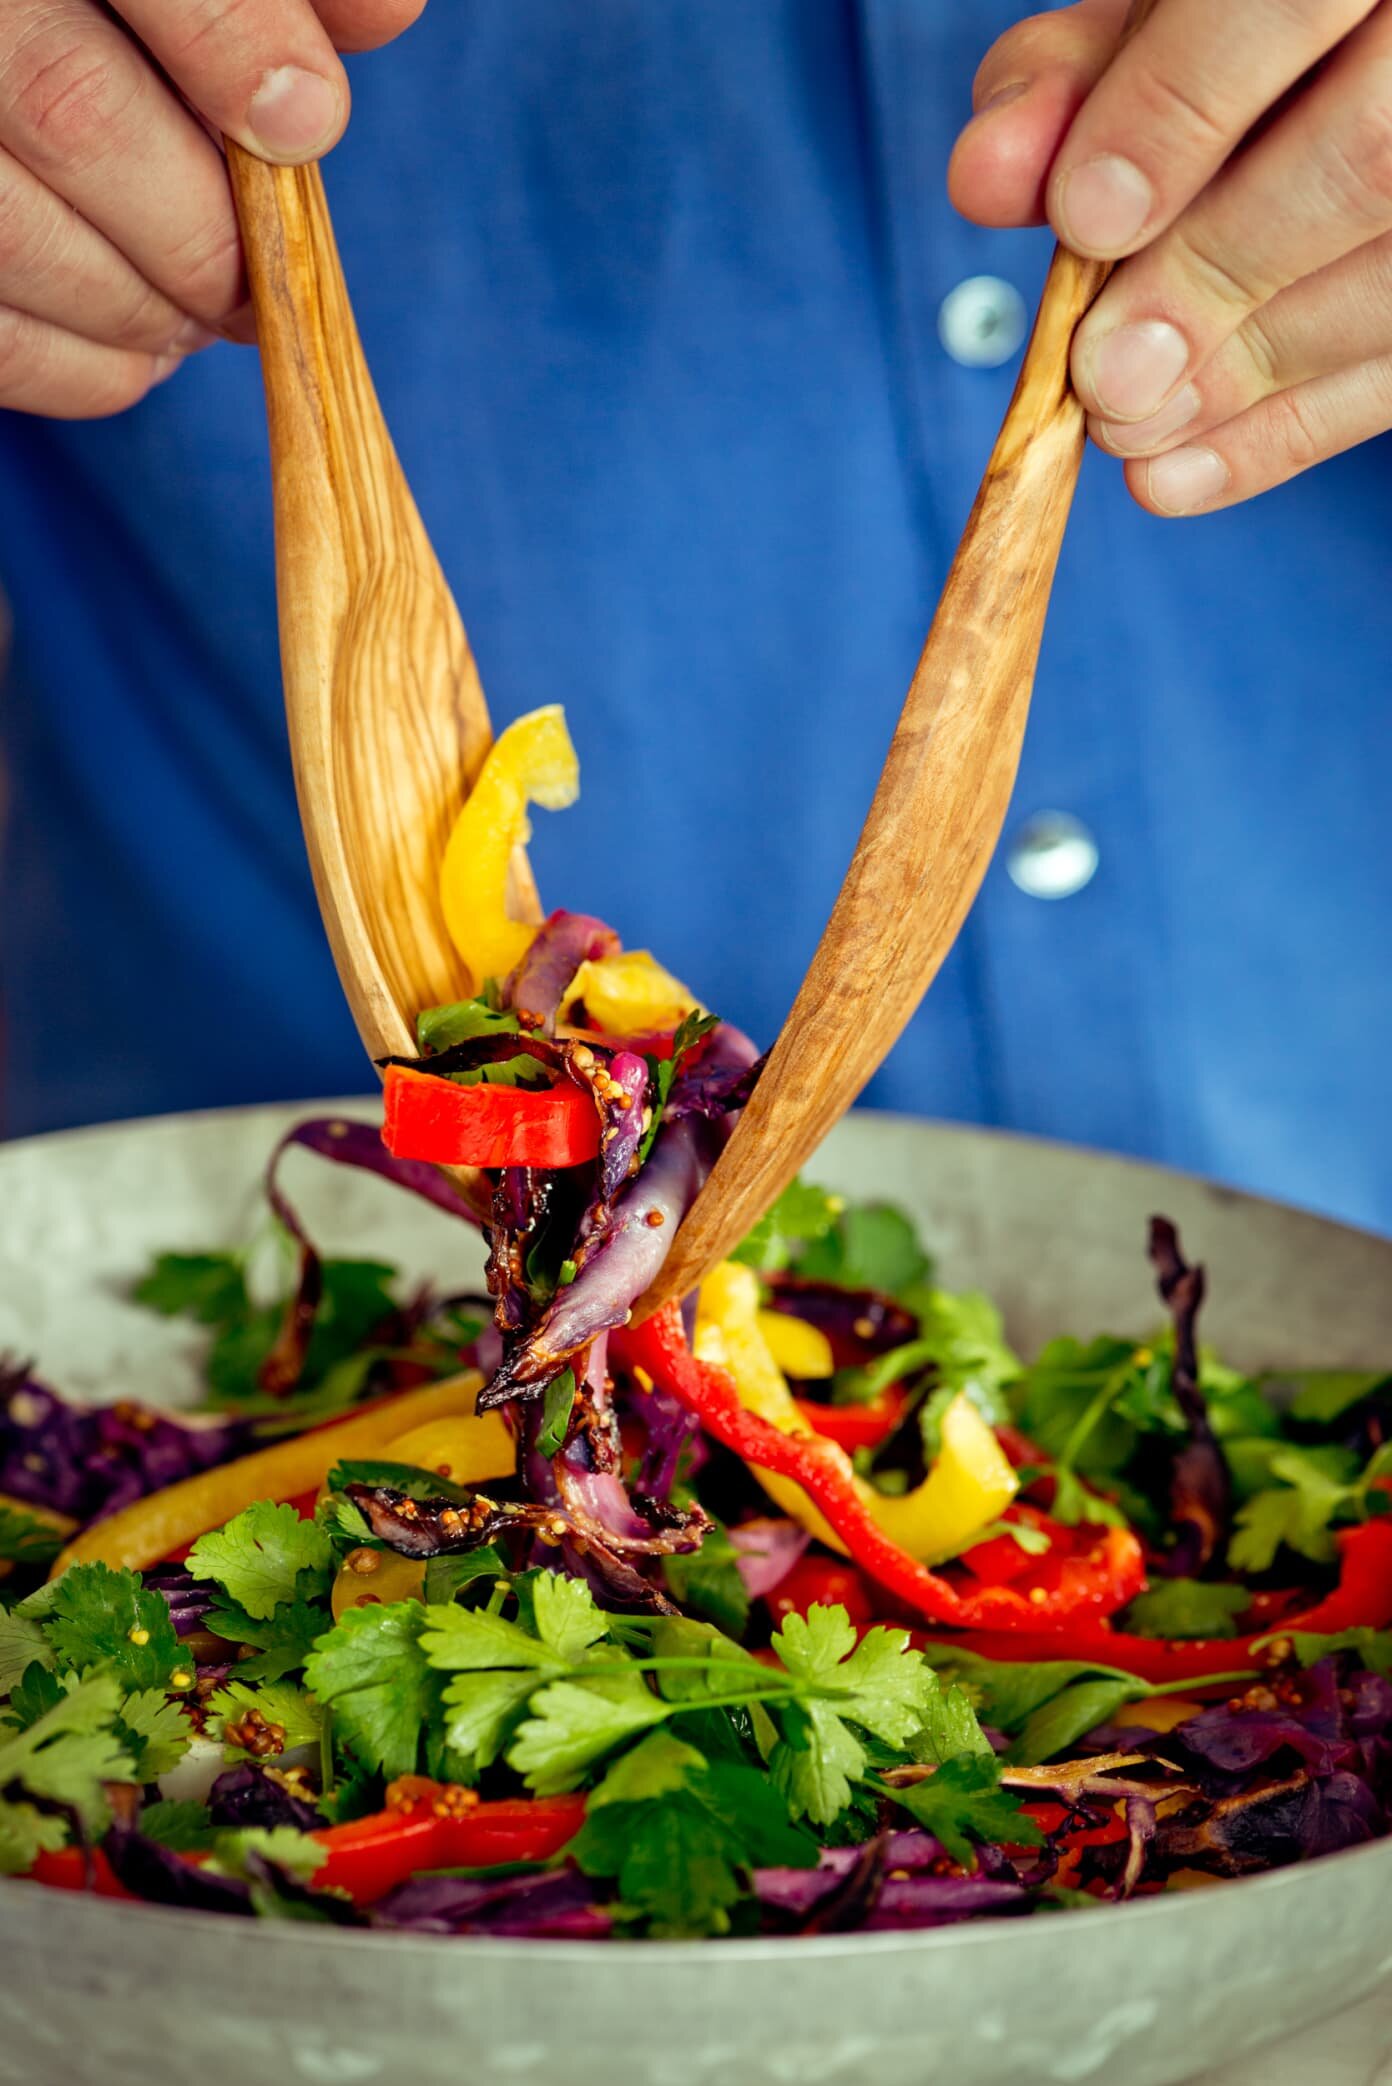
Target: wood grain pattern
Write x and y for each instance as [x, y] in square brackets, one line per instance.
[938, 809]
[388, 723]
[941, 800]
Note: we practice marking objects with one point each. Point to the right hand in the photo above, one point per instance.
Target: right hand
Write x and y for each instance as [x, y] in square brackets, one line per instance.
[119, 252]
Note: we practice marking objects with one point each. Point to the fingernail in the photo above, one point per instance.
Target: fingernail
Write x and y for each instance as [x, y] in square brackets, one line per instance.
[1134, 438]
[294, 115]
[1186, 479]
[1002, 95]
[1101, 206]
[191, 337]
[1133, 370]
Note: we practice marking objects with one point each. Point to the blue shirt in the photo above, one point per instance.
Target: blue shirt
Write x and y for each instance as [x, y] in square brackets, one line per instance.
[651, 295]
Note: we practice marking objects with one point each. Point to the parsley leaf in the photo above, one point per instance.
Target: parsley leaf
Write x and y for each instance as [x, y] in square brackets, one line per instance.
[100, 1617]
[1187, 1608]
[372, 1671]
[260, 1555]
[963, 1801]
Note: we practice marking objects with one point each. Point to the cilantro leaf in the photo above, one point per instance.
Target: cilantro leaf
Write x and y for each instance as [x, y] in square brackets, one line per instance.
[154, 1731]
[1060, 1722]
[446, 1577]
[279, 1702]
[1326, 1395]
[282, 1641]
[801, 1216]
[440, 1028]
[410, 1478]
[22, 1644]
[183, 1827]
[680, 1833]
[26, 1539]
[567, 1620]
[815, 1761]
[25, 1833]
[570, 1725]
[100, 1617]
[1188, 1608]
[872, 1245]
[1372, 1647]
[962, 1802]
[556, 1411]
[38, 1691]
[70, 1751]
[209, 1287]
[259, 1556]
[950, 1726]
[299, 1854]
[879, 1682]
[371, 1670]
[708, 1581]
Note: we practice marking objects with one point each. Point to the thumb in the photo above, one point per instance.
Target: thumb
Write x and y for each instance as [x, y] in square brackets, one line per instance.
[364, 25]
[1029, 87]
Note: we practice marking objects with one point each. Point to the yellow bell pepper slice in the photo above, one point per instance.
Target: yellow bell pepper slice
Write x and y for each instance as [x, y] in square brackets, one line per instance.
[533, 761]
[969, 1486]
[971, 1483]
[628, 995]
[466, 1449]
[800, 1349]
[727, 1333]
[147, 1530]
[367, 1576]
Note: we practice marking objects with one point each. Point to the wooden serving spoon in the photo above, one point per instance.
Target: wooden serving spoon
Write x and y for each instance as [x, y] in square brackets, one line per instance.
[388, 724]
[940, 803]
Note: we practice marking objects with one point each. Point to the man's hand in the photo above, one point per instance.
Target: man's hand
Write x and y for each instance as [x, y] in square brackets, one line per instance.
[1240, 153]
[118, 245]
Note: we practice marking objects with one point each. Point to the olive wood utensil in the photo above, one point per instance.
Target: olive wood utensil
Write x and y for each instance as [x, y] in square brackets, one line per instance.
[940, 803]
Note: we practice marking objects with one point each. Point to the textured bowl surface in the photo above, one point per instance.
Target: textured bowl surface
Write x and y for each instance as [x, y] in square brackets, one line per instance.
[1151, 1993]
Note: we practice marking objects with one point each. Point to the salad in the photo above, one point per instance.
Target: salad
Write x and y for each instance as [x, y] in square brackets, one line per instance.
[805, 1606]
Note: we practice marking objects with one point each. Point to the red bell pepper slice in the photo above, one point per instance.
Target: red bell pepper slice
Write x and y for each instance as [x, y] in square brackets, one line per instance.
[822, 1582]
[432, 1118]
[434, 1826]
[72, 1868]
[856, 1426]
[1095, 1581]
[1361, 1600]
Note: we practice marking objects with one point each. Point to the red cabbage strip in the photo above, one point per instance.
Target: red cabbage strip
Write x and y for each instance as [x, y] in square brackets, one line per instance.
[617, 1263]
[565, 941]
[346, 1143]
[714, 1076]
[1200, 1484]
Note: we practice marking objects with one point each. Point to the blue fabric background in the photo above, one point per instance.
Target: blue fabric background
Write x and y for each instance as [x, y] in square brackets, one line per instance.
[650, 292]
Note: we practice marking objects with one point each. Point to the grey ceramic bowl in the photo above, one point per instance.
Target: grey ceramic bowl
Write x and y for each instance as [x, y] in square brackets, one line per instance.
[120, 1995]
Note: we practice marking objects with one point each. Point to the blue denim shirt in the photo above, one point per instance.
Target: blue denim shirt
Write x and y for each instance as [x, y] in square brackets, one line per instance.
[652, 295]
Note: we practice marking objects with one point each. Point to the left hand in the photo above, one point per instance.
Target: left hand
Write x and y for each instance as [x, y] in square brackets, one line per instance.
[1237, 159]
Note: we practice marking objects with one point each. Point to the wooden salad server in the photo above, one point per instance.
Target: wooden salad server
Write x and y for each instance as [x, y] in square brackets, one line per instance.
[940, 803]
[388, 724]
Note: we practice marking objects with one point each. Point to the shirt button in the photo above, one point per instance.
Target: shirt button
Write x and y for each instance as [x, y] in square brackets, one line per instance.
[982, 322]
[1052, 856]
